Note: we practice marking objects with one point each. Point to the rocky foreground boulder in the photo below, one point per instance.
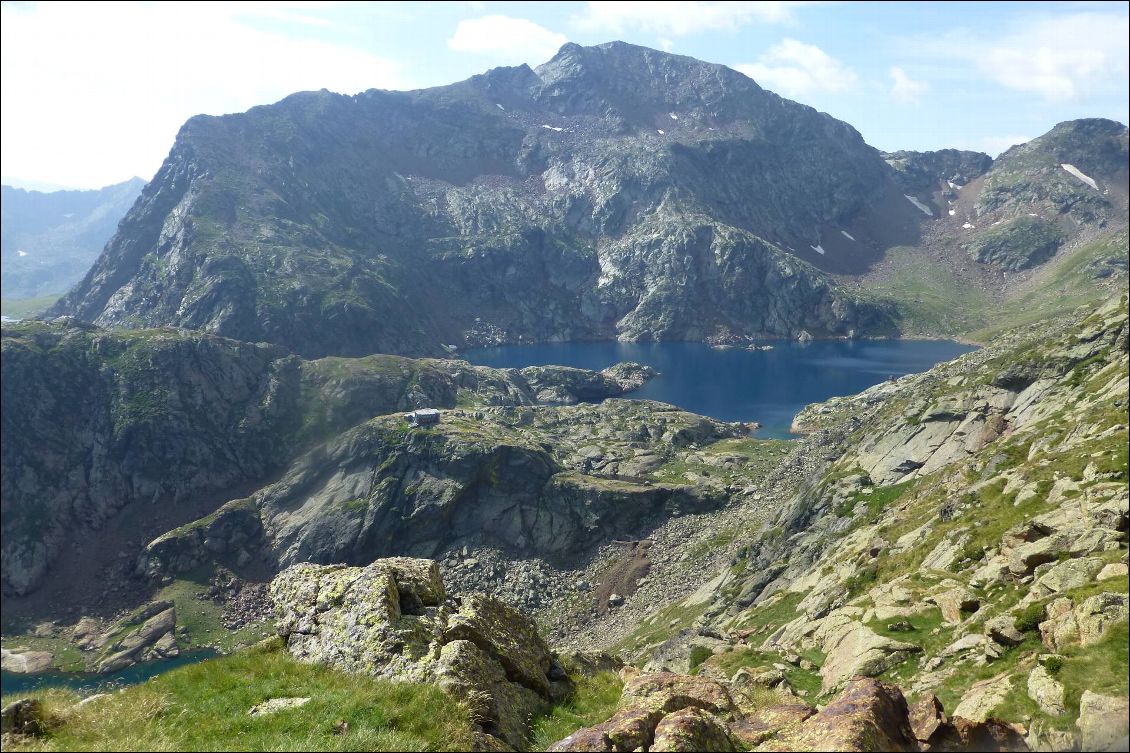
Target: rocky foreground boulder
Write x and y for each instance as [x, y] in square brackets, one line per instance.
[664, 711]
[393, 619]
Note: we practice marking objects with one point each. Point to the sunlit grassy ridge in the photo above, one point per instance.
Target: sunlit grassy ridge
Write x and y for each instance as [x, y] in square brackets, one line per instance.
[205, 707]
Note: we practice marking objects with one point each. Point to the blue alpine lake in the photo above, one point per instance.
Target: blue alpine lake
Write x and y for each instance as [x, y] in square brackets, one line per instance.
[12, 683]
[767, 386]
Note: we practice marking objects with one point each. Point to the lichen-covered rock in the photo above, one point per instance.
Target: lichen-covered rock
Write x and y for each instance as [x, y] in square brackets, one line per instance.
[767, 722]
[982, 698]
[589, 663]
[691, 729]
[1046, 691]
[1097, 613]
[956, 604]
[391, 619]
[867, 716]
[926, 717]
[852, 649]
[508, 636]
[1103, 722]
[275, 705]
[667, 692]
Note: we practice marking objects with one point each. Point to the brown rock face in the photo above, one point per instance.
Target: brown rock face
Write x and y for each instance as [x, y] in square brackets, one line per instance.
[629, 729]
[691, 729]
[668, 692]
[967, 735]
[767, 722]
[867, 715]
[926, 717]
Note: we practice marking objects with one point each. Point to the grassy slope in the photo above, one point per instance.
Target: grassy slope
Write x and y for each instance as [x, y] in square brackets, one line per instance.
[932, 300]
[593, 702]
[986, 513]
[20, 307]
[205, 707]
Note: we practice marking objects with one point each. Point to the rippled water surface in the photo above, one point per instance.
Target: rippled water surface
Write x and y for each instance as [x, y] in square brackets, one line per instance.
[742, 385]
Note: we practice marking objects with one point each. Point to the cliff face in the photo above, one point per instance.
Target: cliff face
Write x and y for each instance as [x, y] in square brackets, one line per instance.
[613, 192]
[171, 423]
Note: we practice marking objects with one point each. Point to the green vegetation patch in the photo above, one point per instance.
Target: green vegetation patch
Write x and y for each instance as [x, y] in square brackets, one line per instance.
[1017, 244]
[17, 308]
[594, 701]
[205, 706]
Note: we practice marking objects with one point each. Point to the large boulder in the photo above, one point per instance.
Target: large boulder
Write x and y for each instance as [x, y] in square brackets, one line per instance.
[983, 697]
[1096, 614]
[1046, 691]
[1103, 722]
[852, 648]
[152, 639]
[867, 716]
[25, 662]
[691, 729]
[392, 619]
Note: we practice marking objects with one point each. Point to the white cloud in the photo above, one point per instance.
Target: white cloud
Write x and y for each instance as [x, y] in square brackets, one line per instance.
[672, 19]
[904, 89]
[516, 39]
[129, 75]
[1062, 57]
[795, 69]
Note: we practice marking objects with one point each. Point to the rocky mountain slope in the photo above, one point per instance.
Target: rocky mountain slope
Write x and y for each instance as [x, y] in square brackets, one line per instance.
[960, 533]
[1025, 237]
[114, 437]
[615, 191]
[48, 241]
[964, 534]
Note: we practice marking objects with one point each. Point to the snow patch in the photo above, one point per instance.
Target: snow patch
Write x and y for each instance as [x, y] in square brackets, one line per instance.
[659, 131]
[673, 116]
[500, 107]
[952, 213]
[1033, 214]
[847, 235]
[925, 209]
[22, 253]
[967, 226]
[1078, 174]
[552, 128]
[819, 248]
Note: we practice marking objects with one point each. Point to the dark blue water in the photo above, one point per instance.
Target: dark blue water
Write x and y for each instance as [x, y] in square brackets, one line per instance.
[11, 683]
[739, 385]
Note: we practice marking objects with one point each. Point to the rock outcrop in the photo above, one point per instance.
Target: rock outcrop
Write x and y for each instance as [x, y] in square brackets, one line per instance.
[665, 711]
[965, 518]
[147, 634]
[392, 619]
[95, 421]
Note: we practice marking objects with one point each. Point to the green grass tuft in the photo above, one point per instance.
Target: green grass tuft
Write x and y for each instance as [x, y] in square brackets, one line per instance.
[593, 702]
[205, 707]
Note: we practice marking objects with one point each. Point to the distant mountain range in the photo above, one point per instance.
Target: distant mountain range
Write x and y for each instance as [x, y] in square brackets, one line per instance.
[48, 241]
[613, 192]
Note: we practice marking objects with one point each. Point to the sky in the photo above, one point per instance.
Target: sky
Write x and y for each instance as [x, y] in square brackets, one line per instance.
[94, 93]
